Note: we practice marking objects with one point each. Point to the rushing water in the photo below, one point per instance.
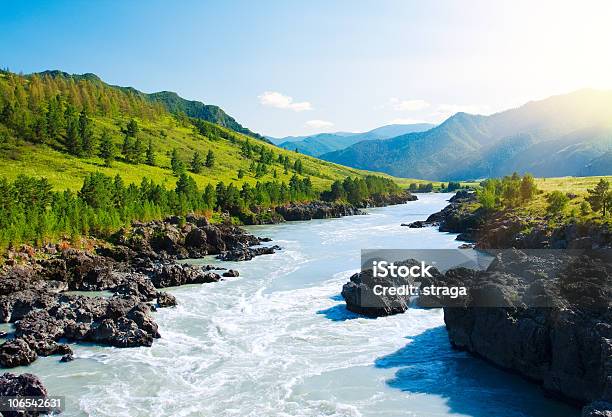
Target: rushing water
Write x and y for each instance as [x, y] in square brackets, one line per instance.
[278, 341]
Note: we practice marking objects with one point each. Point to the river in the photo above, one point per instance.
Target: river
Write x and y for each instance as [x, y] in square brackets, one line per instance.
[278, 341]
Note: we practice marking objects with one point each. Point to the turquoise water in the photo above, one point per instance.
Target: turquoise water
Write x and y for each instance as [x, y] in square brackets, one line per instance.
[278, 341]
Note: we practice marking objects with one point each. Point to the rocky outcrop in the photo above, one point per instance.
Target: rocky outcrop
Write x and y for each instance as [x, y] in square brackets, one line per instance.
[316, 210]
[246, 254]
[327, 210]
[24, 385]
[362, 297]
[165, 299]
[181, 238]
[31, 292]
[546, 316]
[457, 217]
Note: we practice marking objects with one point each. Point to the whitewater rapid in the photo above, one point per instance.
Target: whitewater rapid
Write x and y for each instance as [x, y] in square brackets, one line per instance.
[278, 341]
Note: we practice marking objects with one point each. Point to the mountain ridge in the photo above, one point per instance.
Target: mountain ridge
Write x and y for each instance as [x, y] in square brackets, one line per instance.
[174, 103]
[467, 146]
[320, 143]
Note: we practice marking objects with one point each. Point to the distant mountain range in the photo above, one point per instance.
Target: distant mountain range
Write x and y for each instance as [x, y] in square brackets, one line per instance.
[321, 143]
[563, 135]
[173, 103]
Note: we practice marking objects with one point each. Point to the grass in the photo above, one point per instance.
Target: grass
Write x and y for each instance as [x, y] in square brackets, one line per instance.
[576, 186]
[66, 172]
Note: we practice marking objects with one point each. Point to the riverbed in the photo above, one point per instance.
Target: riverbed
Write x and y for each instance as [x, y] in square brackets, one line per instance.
[278, 341]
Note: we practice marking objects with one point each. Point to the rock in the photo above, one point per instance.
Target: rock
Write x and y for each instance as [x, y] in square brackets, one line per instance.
[69, 357]
[247, 253]
[361, 299]
[597, 409]
[417, 224]
[24, 385]
[551, 321]
[16, 352]
[316, 210]
[137, 285]
[231, 273]
[173, 275]
[165, 299]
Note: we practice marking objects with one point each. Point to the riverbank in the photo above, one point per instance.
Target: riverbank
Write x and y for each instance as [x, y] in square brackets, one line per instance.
[278, 340]
[564, 346]
[36, 283]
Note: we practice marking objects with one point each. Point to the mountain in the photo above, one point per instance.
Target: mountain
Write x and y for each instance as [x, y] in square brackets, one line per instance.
[211, 113]
[170, 100]
[558, 136]
[321, 143]
[36, 111]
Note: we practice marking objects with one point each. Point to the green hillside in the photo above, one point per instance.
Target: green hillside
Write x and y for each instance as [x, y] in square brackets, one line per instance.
[30, 145]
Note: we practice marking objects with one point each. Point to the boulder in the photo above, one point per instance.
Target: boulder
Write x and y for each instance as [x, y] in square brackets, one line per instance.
[16, 352]
[165, 299]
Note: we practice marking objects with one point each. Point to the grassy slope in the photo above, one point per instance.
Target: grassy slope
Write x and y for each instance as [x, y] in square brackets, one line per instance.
[573, 185]
[65, 171]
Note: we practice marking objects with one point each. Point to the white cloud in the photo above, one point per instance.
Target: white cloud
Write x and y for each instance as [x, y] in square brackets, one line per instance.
[408, 105]
[281, 101]
[318, 124]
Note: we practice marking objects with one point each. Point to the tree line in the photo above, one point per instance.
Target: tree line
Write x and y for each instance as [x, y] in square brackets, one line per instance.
[31, 212]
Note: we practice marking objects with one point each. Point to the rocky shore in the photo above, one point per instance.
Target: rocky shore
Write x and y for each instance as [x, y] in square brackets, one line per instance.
[35, 287]
[564, 343]
[327, 210]
[35, 284]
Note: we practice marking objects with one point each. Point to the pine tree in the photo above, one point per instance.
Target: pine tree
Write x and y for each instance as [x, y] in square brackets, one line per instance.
[127, 149]
[132, 128]
[150, 154]
[73, 144]
[176, 164]
[85, 134]
[600, 197]
[297, 166]
[107, 149]
[138, 151]
[210, 159]
[196, 163]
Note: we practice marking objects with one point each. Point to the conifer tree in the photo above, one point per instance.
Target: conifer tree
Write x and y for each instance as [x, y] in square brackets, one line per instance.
[127, 149]
[150, 154]
[600, 197]
[210, 159]
[196, 163]
[107, 149]
[176, 164]
[73, 144]
[138, 151]
[85, 134]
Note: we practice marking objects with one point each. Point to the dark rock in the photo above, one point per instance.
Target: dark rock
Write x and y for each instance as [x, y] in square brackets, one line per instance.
[545, 316]
[165, 299]
[361, 299]
[24, 385]
[316, 210]
[247, 253]
[137, 285]
[69, 357]
[16, 352]
[173, 275]
[231, 273]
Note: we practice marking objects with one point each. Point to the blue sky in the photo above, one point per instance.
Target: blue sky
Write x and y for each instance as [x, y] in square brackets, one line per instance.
[299, 67]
